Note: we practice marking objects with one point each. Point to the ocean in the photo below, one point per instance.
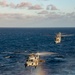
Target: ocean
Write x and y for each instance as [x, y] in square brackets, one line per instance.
[17, 43]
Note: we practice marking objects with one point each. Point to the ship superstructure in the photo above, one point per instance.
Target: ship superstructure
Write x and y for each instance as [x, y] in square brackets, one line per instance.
[58, 38]
[33, 60]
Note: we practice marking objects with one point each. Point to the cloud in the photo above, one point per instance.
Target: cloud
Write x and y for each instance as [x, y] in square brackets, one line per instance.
[71, 14]
[11, 16]
[23, 4]
[3, 3]
[43, 12]
[54, 16]
[18, 20]
[51, 7]
[35, 7]
[12, 5]
[49, 20]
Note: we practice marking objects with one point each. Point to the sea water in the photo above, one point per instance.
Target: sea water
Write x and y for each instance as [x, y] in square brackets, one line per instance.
[17, 43]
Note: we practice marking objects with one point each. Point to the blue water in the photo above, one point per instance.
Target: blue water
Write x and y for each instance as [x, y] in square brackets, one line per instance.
[16, 43]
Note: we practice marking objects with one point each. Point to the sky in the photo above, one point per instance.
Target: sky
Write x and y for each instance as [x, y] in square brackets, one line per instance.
[37, 13]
